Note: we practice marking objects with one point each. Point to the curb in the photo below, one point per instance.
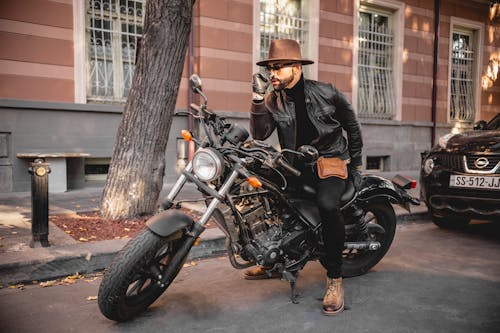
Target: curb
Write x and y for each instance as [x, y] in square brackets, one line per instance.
[58, 261]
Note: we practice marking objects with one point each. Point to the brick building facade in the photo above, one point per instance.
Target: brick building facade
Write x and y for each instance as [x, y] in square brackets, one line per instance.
[66, 67]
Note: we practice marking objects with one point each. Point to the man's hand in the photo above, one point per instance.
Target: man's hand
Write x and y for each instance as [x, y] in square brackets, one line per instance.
[355, 172]
[259, 86]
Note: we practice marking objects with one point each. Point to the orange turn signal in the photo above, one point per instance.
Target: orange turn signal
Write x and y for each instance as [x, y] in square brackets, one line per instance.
[186, 135]
[254, 182]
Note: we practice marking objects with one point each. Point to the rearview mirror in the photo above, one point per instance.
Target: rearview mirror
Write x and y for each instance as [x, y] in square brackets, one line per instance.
[480, 125]
[195, 82]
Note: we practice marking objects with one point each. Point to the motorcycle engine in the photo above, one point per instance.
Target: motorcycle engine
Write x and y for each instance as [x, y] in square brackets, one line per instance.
[276, 235]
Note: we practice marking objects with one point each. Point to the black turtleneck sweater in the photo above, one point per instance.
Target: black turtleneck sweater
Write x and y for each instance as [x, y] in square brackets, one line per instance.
[304, 128]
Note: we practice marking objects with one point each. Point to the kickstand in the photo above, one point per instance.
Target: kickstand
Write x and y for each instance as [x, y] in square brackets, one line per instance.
[292, 278]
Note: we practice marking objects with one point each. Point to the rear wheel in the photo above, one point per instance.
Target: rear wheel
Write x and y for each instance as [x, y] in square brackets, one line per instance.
[131, 283]
[358, 262]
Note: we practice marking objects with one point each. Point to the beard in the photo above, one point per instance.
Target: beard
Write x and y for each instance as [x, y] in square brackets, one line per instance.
[283, 83]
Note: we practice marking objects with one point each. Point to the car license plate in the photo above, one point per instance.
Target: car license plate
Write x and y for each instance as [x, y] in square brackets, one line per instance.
[481, 182]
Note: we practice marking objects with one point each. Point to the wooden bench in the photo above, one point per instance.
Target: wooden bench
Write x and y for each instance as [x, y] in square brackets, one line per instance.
[58, 177]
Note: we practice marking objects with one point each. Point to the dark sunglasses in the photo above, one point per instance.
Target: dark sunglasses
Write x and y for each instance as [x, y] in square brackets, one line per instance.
[277, 67]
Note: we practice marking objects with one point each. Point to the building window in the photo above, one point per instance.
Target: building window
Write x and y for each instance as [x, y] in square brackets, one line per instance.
[112, 28]
[462, 85]
[281, 19]
[376, 94]
[377, 163]
[96, 168]
[287, 19]
[465, 59]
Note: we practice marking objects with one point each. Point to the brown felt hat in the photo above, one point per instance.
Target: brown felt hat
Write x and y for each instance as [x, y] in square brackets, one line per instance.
[284, 50]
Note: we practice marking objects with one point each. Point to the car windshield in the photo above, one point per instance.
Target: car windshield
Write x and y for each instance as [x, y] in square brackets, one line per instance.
[494, 124]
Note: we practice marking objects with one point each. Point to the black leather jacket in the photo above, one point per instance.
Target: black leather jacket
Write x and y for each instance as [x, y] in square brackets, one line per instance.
[329, 111]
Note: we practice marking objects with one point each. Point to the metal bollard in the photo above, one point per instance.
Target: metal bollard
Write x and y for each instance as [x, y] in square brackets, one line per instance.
[39, 171]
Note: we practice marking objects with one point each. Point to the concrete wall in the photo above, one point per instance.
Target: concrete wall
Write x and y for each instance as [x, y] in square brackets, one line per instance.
[62, 128]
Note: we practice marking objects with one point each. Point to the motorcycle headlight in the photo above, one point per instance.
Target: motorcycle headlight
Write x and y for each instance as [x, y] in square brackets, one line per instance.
[428, 166]
[208, 164]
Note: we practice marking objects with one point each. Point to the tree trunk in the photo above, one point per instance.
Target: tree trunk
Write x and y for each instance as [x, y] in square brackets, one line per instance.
[136, 172]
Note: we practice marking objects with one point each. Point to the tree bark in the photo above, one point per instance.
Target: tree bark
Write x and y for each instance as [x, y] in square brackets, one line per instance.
[137, 167]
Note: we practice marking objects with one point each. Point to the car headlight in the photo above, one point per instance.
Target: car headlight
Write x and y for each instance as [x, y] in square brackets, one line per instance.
[428, 166]
[208, 164]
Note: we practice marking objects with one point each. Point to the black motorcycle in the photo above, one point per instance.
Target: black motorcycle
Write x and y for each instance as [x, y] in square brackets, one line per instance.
[266, 219]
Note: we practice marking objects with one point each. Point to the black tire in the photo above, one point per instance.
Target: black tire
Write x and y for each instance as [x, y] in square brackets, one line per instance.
[130, 285]
[449, 222]
[358, 262]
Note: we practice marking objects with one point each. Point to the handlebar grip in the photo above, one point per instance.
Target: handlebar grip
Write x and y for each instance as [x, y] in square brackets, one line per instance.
[288, 167]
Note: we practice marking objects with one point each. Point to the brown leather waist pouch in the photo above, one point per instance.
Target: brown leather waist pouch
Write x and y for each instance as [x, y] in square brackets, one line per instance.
[332, 167]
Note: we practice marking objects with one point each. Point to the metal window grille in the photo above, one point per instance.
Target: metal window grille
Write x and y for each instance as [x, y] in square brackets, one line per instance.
[462, 99]
[281, 19]
[112, 28]
[376, 94]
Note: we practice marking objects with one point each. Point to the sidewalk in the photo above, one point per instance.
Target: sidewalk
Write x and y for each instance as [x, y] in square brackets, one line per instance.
[66, 256]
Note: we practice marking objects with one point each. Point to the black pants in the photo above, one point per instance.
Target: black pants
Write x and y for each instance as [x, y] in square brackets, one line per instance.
[328, 193]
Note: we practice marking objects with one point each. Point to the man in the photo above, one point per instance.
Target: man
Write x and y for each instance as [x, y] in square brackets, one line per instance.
[313, 113]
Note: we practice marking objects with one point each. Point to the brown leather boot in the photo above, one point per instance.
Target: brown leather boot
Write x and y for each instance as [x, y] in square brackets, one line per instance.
[259, 273]
[333, 302]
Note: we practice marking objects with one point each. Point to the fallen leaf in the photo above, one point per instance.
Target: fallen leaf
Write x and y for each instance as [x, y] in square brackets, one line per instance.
[117, 237]
[192, 263]
[93, 237]
[126, 229]
[92, 298]
[64, 226]
[75, 277]
[47, 283]
[68, 281]
[67, 231]
[126, 236]
[82, 239]
[17, 286]
[82, 229]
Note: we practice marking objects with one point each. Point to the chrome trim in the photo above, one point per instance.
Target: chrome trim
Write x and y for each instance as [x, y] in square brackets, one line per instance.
[179, 183]
[222, 192]
[480, 172]
[219, 162]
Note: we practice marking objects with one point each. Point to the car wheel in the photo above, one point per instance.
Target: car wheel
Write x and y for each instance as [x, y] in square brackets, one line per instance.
[449, 222]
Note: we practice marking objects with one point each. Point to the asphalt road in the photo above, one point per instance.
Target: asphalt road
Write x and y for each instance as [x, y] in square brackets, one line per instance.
[431, 280]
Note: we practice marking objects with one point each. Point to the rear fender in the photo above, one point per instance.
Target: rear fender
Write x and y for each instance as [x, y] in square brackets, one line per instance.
[168, 222]
[377, 188]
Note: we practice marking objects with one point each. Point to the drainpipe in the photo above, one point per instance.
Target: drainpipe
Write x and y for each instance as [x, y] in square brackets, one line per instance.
[190, 94]
[437, 5]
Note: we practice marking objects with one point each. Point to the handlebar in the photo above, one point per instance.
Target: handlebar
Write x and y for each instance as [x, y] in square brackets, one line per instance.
[288, 167]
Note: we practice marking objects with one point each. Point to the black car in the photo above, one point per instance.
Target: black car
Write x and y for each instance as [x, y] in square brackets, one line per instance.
[460, 177]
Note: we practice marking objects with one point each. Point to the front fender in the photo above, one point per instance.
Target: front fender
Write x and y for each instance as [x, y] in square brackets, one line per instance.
[168, 222]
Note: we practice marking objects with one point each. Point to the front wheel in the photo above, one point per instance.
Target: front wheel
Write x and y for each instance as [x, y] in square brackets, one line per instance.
[358, 262]
[131, 283]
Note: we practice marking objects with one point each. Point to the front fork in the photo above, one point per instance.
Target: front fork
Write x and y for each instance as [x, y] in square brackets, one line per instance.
[198, 226]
